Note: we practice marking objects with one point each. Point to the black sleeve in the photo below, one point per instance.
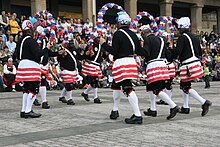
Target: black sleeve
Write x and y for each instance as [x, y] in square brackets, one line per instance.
[115, 45]
[58, 58]
[52, 54]
[138, 47]
[35, 49]
[145, 51]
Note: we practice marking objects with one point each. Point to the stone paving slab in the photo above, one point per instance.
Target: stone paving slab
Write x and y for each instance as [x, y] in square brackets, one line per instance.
[88, 124]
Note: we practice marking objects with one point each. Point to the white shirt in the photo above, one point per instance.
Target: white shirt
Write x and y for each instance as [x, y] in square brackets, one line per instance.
[6, 71]
[11, 47]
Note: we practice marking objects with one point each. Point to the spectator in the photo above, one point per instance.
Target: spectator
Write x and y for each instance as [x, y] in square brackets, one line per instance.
[22, 19]
[9, 74]
[4, 55]
[212, 47]
[212, 36]
[14, 27]
[18, 36]
[8, 34]
[17, 19]
[206, 75]
[4, 37]
[2, 43]
[82, 45]
[4, 21]
[206, 37]
[11, 45]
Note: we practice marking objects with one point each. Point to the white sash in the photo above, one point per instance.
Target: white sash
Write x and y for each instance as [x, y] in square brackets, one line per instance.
[22, 45]
[74, 59]
[129, 37]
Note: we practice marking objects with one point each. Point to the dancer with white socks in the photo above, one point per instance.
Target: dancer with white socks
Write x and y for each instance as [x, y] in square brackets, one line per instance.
[188, 51]
[157, 71]
[124, 45]
[91, 69]
[69, 72]
[29, 72]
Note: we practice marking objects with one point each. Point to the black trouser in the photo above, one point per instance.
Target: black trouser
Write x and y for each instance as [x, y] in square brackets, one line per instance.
[93, 81]
[32, 87]
[156, 87]
[185, 86]
[207, 81]
[125, 84]
[168, 84]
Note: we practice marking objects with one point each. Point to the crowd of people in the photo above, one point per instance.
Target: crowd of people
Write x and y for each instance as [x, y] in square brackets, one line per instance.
[72, 61]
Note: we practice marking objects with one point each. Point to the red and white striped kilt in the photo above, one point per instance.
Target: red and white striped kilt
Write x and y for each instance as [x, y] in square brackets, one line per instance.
[195, 70]
[68, 76]
[124, 68]
[172, 70]
[28, 71]
[92, 69]
[157, 71]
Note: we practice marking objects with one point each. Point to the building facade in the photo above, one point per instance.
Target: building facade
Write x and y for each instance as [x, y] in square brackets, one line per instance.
[204, 14]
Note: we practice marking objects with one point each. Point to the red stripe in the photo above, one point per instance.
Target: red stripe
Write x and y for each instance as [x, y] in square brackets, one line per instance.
[88, 66]
[133, 71]
[157, 79]
[125, 77]
[172, 75]
[89, 73]
[69, 80]
[161, 73]
[71, 75]
[157, 68]
[29, 69]
[28, 74]
[192, 78]
[125, 66]
[192, 67]
[44, 71]
[28, 79]
[89, 70]
[194, 72]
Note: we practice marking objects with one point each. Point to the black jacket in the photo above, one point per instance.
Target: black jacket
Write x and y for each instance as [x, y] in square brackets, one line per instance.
[121, 45]
[95, 50]
[183, 49]
[30, 50]
[67, 61]
[151, 49]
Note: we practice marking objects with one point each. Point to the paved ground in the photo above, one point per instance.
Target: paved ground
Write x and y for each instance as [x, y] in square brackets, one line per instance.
[88, 124]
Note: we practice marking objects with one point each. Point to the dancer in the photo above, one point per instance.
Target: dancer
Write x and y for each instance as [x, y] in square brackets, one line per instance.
[44, 73]
[91, 68]
[157, 71]
[188, 50]
[29, 70]
[124, 45]
[69, 72]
